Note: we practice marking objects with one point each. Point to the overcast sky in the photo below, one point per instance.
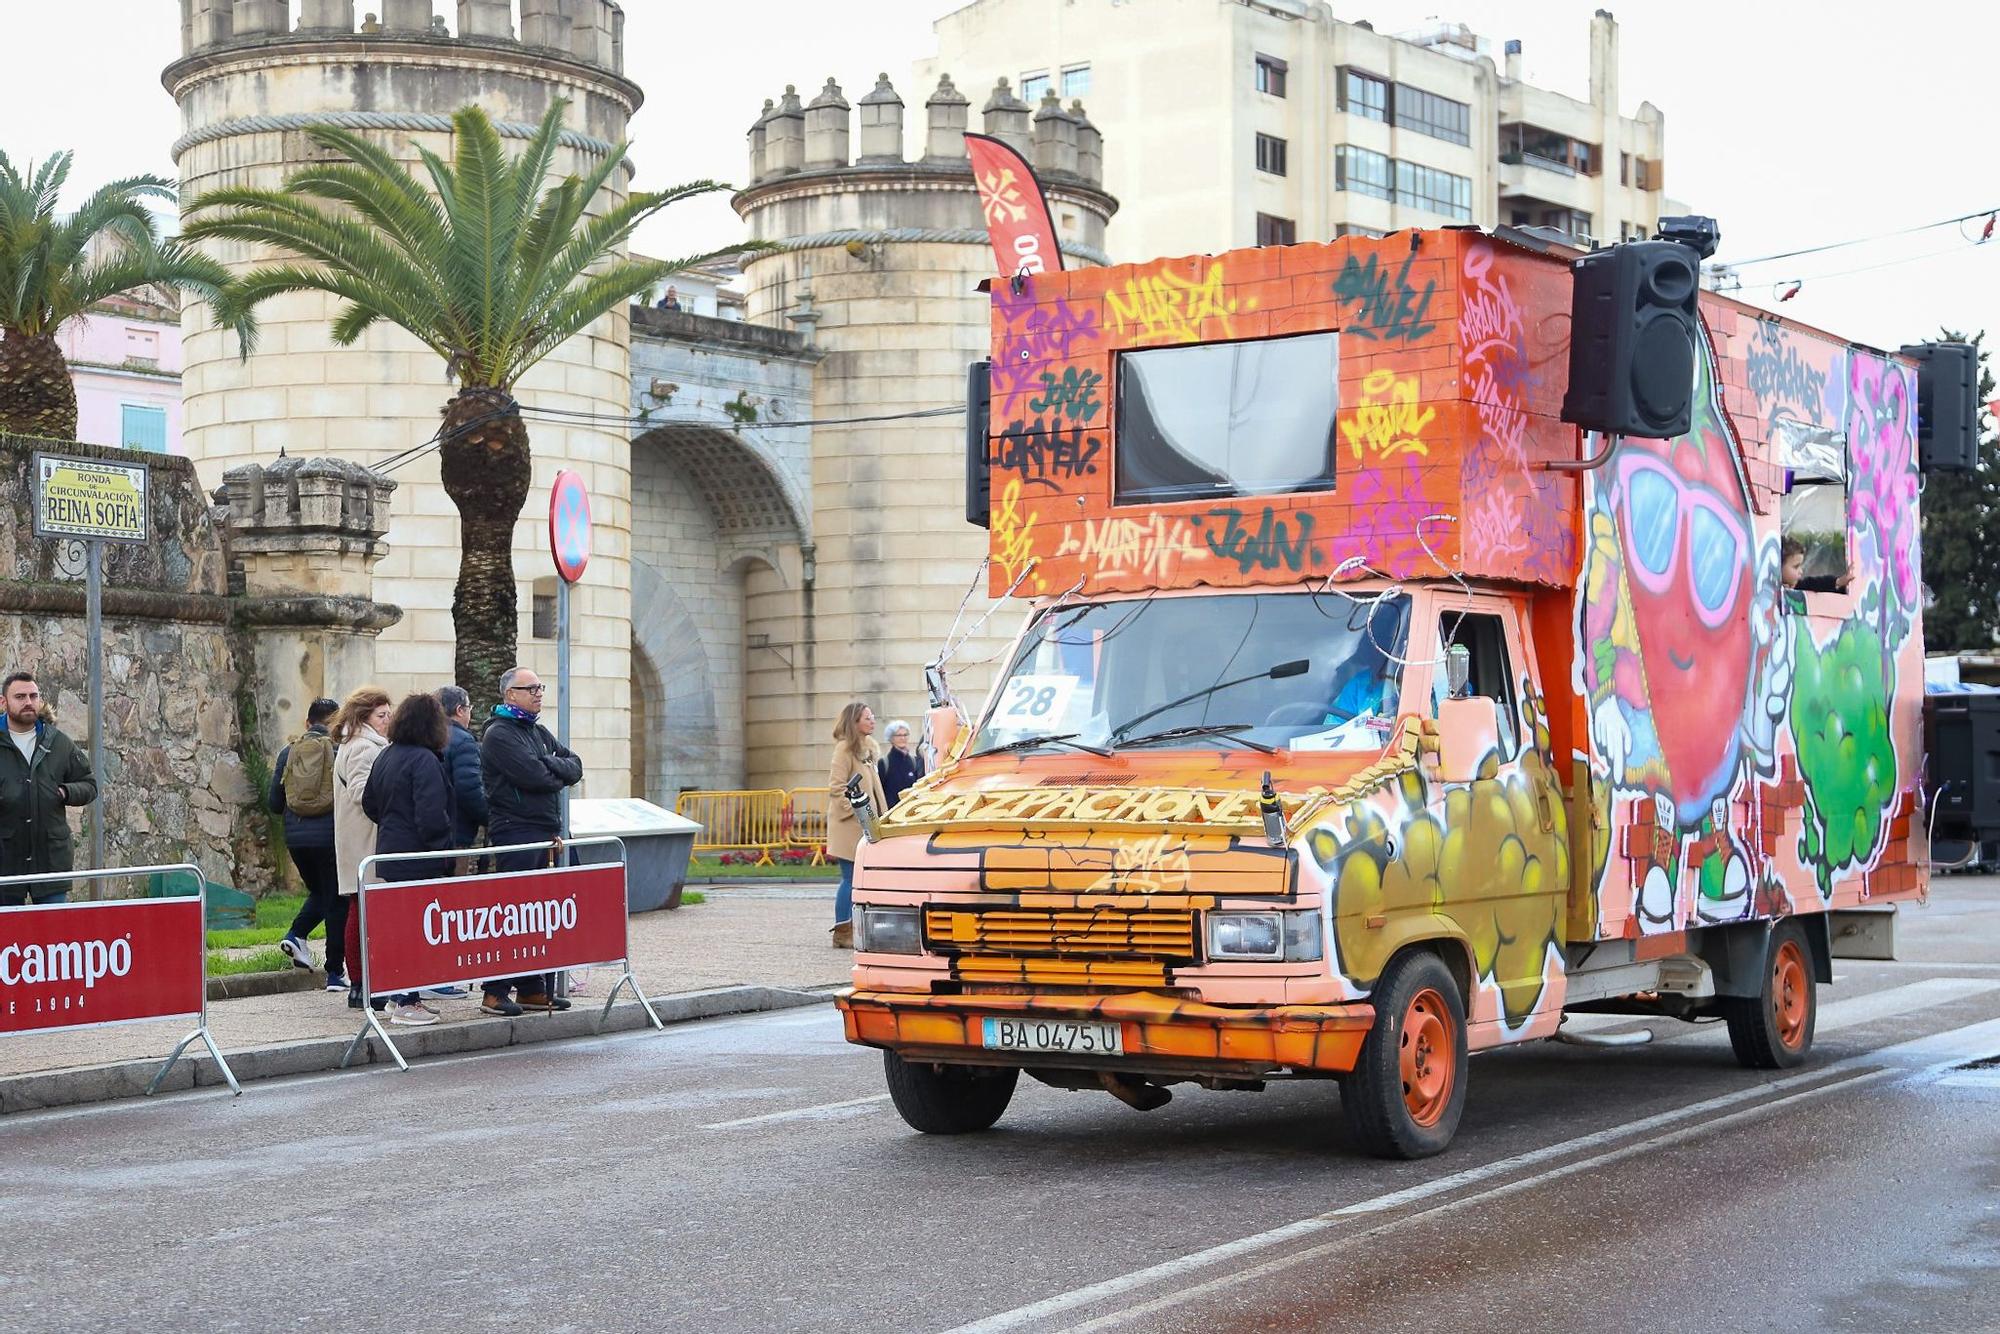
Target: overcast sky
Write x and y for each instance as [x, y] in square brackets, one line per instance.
[1795, 124]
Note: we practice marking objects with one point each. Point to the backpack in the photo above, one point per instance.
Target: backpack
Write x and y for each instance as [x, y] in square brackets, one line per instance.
[309, 775]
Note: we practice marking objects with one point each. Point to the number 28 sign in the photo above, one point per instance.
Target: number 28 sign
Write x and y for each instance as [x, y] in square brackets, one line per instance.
[1034, 702]
[569, 525]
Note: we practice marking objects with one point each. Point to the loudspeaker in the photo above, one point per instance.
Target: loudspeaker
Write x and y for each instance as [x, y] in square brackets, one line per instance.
[1947, 406]
[1962, 755]
[1633, 339]
[978, 421]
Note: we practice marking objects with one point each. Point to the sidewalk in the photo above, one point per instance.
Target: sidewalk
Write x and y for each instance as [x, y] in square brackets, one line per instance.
[752, 935]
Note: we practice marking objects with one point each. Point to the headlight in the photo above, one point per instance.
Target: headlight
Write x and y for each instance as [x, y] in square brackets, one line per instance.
[1267, 937]
[887, 930]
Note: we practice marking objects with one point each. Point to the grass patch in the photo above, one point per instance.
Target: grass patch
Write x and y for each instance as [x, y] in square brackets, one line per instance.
[713, 870]
[262, 961]
[692, 896]
[274, 913]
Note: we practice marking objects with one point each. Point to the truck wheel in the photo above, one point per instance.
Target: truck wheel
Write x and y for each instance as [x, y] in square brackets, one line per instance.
[949, 1099]
[1404, 1096]
[1773, 1030]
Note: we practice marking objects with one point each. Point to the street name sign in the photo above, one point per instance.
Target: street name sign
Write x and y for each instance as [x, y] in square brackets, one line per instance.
[89, 498]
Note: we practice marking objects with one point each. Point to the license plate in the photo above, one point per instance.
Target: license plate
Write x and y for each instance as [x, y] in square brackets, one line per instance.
[1074, 1037]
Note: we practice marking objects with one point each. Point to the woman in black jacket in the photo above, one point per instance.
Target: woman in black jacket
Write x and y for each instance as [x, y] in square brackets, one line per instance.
[409, 798]
[902, 766]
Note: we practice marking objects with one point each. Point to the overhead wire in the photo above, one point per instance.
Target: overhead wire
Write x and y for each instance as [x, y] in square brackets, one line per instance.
[1859, 240]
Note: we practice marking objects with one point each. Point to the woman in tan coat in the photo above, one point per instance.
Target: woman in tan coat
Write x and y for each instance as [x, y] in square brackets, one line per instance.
[854, 755]
[359, 735]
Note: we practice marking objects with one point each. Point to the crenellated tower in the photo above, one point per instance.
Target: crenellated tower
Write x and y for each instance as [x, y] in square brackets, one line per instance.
[880, 253]
[253, 78]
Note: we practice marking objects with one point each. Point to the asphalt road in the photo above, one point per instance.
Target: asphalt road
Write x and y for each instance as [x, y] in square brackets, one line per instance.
[750, 1175]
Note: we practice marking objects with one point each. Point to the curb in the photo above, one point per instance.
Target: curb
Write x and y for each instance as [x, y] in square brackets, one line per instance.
[128, 1079]
[235, 986]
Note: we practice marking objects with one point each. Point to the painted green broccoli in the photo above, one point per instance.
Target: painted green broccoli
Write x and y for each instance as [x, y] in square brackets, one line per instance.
[1840, 719]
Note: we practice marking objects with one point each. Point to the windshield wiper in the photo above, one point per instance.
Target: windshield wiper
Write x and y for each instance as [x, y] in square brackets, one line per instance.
[1297, 667]
[1227, 731]
[1048, 739]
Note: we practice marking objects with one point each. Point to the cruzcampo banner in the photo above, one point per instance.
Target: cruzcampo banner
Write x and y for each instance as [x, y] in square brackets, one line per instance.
[79, 964]
[1017, 214]
[425, 933]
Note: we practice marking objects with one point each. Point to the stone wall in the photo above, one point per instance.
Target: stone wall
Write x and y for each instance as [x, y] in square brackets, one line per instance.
[179, 785]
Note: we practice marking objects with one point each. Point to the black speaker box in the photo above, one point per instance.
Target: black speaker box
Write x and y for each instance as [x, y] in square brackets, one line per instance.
[978, 420]
[1947, 406]
[1634, 335]
[1962, 736]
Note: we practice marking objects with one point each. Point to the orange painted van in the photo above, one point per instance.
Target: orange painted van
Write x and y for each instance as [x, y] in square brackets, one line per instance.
[1367, 715]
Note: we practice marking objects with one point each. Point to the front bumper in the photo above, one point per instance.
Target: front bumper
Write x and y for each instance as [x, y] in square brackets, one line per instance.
[1161, 1034]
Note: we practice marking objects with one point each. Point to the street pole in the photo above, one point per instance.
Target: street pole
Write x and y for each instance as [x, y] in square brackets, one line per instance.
[94, 615]
[562, 682]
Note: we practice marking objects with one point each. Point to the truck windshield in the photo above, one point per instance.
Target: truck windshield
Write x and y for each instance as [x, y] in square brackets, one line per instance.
[1301, 671]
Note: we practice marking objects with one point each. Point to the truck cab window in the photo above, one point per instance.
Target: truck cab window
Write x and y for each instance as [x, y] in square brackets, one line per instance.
[1485, 637]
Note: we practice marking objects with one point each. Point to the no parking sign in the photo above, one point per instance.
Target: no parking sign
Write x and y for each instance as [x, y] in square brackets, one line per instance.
[569, 526]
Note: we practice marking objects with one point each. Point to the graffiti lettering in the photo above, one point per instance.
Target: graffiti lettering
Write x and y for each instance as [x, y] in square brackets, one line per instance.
[1032, 335]
[1073, 394]
[1272, 544]
[1388, 420]
[1779, 376]
[1013, 532]
[1040, 449]
[1390, 310]
[1163, 307]
[1152, 547]
[1146, 867]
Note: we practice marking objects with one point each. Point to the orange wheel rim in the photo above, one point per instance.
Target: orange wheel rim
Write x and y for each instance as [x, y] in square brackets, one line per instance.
[1791, 994]
[1428, 1056]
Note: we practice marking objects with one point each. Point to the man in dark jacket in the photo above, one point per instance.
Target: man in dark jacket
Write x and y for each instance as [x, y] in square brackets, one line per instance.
[41, 772]
[525, 770]
[461, 757]
[309, 840]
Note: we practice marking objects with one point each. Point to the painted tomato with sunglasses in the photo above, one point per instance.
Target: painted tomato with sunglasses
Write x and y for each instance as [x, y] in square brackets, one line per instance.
[1684, 525]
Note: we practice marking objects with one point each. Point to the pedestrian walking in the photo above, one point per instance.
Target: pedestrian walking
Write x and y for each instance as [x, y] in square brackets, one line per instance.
[468, 787]
[854, 755]
[358, 739]
[41, 773]
[302, 792]
[525, 770]
[901, 766]
[408, 796]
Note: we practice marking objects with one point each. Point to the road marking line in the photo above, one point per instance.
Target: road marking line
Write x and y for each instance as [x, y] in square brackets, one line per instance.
[1506, 1188]
[826, 1111]
[1953, 1042]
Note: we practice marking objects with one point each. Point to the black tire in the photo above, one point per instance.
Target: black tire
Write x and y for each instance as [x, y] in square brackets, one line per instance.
[1379, 1110]
[948, 1099]
[1773, 1030]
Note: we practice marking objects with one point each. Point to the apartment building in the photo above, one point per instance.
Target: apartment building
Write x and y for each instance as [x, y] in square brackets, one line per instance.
[1252, 122]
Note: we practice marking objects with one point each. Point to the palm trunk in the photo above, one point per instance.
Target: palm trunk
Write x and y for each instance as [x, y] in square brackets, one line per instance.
[36, 394]
[486, 471]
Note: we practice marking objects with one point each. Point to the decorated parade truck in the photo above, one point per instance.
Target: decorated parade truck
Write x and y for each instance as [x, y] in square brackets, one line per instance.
[1429, 637]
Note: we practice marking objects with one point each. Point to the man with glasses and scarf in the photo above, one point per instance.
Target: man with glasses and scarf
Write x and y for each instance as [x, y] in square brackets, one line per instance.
[525, 770]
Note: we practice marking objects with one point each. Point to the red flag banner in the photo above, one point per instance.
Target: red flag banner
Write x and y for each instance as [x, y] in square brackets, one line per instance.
[76, 965]
[1017, 213]
[423, 933]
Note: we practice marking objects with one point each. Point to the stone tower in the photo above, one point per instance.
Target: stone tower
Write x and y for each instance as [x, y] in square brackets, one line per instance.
[253, 77]
[880, 256]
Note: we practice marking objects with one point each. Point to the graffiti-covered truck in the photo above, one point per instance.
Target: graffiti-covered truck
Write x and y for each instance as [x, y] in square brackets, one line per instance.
[1368, 713]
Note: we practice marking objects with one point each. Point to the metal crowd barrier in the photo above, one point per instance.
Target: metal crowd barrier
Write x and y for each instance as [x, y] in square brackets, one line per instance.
[414, 960]
[91, 965]
[762, 821]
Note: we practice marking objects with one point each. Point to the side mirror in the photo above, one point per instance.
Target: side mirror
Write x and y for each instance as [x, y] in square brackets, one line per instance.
[1468, 731]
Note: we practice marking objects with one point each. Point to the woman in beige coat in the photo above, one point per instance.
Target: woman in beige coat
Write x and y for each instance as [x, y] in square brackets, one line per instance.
[358, 737]
[854, 755]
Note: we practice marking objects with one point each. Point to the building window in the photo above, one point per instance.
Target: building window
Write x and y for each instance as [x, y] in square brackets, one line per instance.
[1569, 221]
[1271, 154]
[1033, 86]
[1631, 231]
[1624, 168]
[1363, 171]
[143, 428]
[1813, 512]
[1276, 231]
[1427, 113]
[1351, 229]
[1364, 95]
[1076, 81]
[1646, 174]
[543, 601]
[1271, 73]
[1433, 190]
[142, 345]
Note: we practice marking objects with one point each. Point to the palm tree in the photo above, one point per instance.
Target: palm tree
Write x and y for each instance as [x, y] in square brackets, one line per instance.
[54, 267]
[484, 267]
